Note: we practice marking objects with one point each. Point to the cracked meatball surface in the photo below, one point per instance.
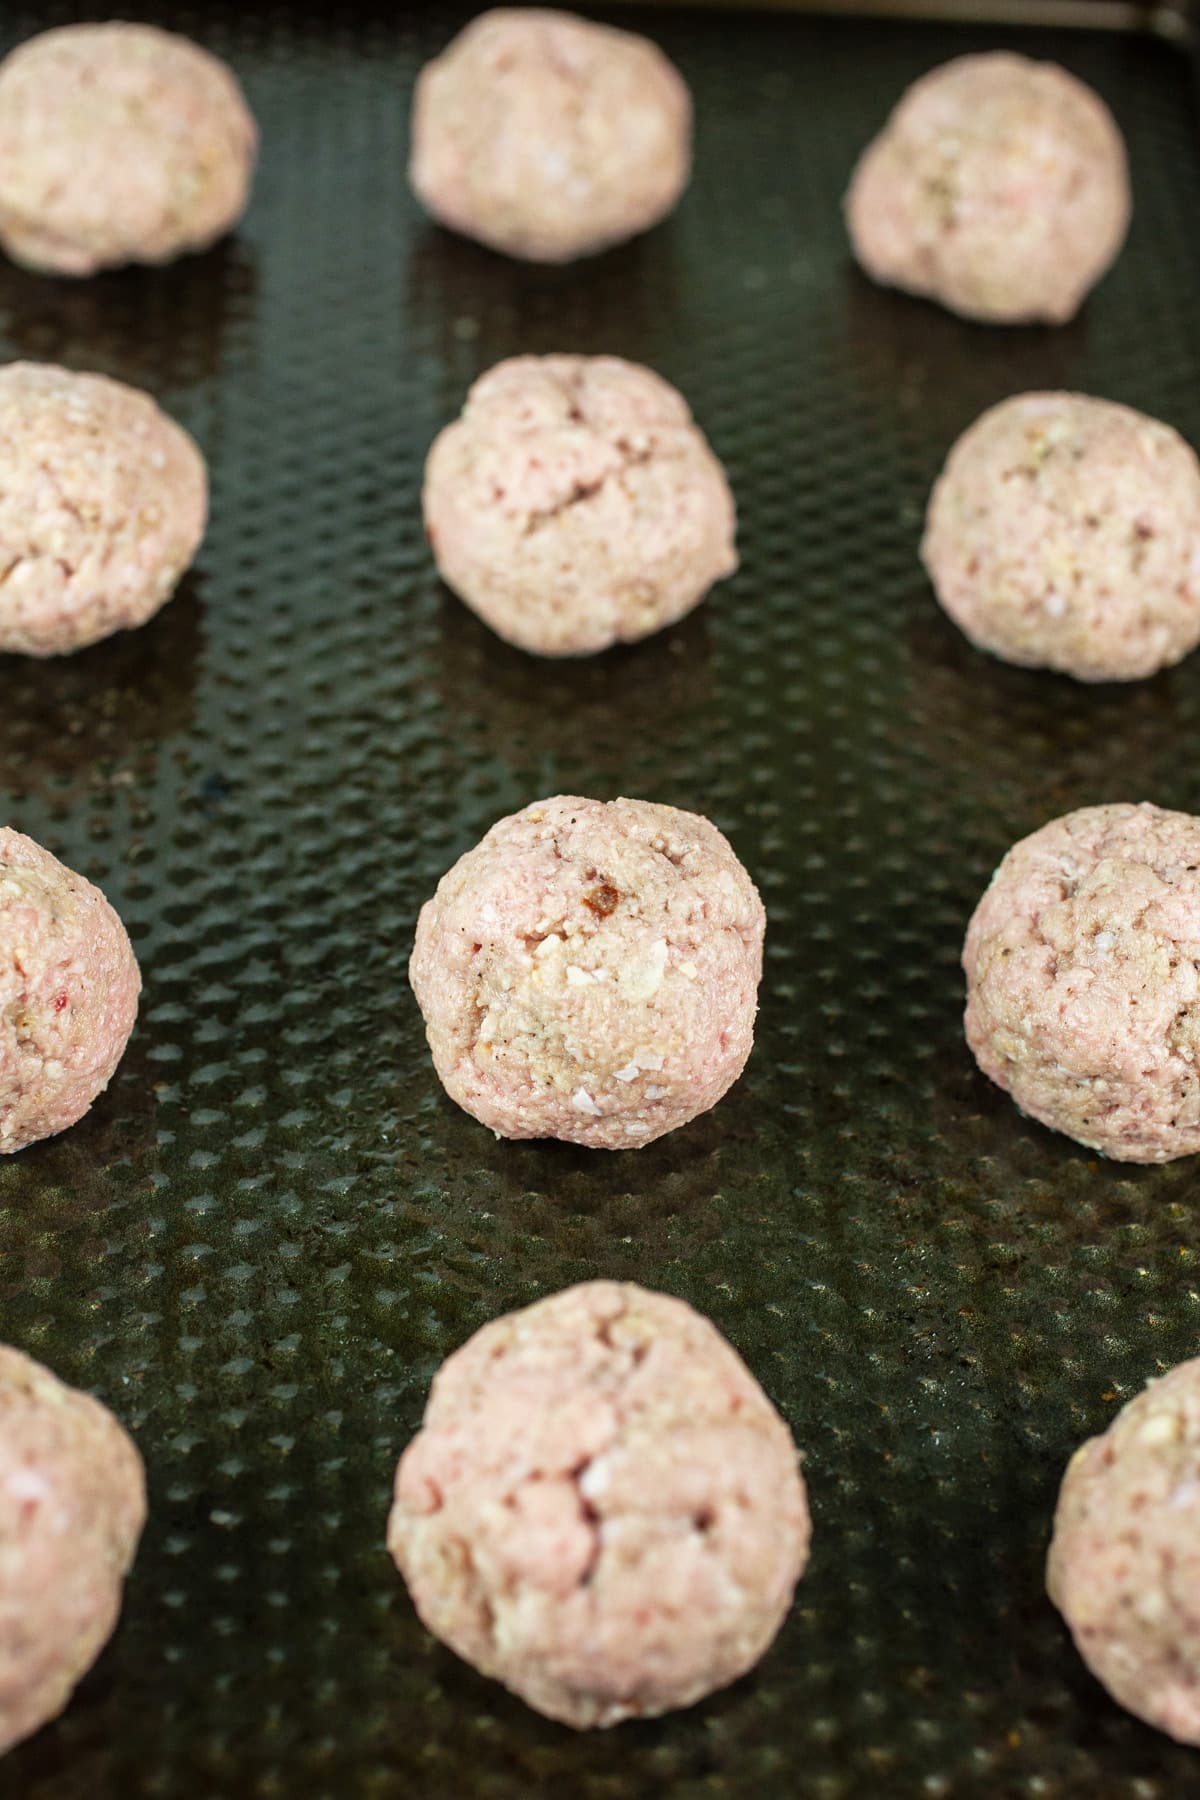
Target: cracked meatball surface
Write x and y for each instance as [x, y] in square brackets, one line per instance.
[999, 187]
[1083, 980]
[576, 504]
[69, 986]
[602, 1509]
[1124, 1563]
[72, 1507]
[103, 504]
[118, 144]
[549, 137]
[1064, 533]
[590, 972]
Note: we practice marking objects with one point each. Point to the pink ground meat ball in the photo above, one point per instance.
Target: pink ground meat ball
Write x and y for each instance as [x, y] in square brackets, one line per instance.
[1083, 980]
[590, 972]
[72, 1507]
[1124, 1564]
[118, 144]
[548, 137]
[602, 1509]
[576, 504]
[69, 986]
[1064, 533]
[998, 186]
[103, 504]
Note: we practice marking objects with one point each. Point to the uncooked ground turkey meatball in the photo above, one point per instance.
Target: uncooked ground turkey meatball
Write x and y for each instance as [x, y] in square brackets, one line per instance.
[1124, 1564]
[576, 504]
[118, 144]
[602, 1509]
[72, 1507]
[1083, 979]
[103, 503]
[1064, 533]
[999, 187]
[590, 971]
[548, 137]
[69, 986]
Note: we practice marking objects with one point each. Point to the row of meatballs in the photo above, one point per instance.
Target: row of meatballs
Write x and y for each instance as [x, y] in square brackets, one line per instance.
[604, 1511]
[998, 186]
[576, 504]
[590, 972]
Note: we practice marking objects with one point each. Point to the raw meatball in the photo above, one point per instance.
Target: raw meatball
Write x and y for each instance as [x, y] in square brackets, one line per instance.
[118, 144]
[590, 972]
[72, 1507]
[575, 504]
[103, 503]
[1083, 980]
[1124, 1565]
[69, 986]
[549, 137]
[1064, 533]
[602, 1509]
[998, 186]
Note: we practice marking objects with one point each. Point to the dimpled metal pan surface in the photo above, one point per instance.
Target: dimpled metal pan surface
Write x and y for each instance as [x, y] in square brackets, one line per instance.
[262, 1241]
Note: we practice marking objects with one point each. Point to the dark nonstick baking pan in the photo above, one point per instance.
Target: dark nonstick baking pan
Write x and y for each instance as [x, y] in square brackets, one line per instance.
[265, 1237]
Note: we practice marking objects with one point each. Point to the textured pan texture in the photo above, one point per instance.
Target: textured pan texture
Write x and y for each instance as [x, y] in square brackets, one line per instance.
[262, 1241]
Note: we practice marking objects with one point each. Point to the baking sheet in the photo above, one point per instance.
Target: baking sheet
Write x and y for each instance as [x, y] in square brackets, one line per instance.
[267, 1235]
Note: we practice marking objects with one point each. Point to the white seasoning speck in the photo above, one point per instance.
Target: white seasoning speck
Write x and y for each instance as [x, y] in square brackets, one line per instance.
[1159, 1428]
[595, 1479]
[642, 979]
